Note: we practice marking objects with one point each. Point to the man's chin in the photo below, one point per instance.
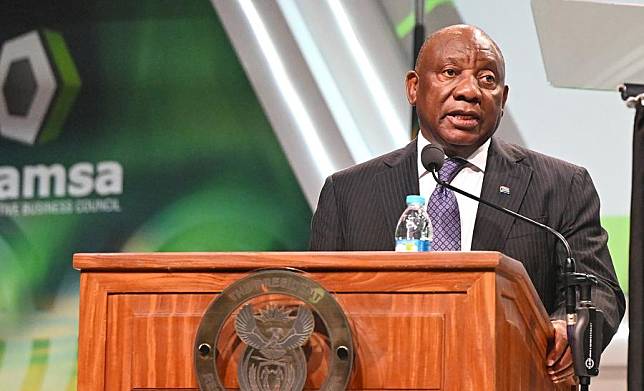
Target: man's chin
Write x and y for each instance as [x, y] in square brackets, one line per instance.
[455, 139]
[462, 146]
[461, 138]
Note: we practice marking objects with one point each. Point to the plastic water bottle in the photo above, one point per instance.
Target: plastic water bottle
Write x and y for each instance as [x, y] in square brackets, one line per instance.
[414, 230]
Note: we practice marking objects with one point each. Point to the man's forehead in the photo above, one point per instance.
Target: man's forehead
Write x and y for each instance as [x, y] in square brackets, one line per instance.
[453, 44]
[462, 45]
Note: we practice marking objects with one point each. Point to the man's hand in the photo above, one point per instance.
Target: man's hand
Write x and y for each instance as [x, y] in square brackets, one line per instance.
[559, 358]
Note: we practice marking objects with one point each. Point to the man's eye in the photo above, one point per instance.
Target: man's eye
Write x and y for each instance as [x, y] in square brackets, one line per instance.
[449, 72]
[489, 79]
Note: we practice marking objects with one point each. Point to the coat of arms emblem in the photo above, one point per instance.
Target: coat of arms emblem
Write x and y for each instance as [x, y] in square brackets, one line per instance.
[273, 348]
[273, 359]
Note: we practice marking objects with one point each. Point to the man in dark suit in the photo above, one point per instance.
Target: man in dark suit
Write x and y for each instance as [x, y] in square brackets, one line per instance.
[458, 88]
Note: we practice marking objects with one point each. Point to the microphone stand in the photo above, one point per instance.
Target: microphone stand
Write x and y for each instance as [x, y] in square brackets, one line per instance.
[584, 322]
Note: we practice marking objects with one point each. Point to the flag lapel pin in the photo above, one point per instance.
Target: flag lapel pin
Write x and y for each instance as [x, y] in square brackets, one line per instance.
[504, 190]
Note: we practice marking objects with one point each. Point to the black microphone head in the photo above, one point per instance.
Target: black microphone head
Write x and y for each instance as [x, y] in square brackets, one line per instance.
[432, 157]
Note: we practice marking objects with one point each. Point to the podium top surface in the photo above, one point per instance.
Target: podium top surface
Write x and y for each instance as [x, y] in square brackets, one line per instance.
[308, 261]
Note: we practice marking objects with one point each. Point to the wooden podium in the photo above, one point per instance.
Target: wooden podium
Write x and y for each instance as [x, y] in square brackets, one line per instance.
[420, 321]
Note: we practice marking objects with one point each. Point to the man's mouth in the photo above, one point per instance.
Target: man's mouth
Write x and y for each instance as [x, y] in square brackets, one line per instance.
[464, 119]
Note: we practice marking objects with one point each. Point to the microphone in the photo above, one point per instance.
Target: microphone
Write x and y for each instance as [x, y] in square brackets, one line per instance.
[432, 157]
[584, 336]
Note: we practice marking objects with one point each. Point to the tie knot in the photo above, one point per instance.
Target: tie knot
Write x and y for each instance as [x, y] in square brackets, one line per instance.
[450, 168]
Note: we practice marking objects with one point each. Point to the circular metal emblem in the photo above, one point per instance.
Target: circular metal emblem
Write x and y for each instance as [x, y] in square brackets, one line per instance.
[274, 336]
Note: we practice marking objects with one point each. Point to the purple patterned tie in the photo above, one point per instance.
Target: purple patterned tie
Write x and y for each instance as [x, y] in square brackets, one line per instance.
[443, 210]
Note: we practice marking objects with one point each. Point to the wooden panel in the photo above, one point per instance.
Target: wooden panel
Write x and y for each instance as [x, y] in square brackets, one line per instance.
[163, 333]
[400, 341]
[157, 333]
[95, 288]
[529, 335]
[414, 360]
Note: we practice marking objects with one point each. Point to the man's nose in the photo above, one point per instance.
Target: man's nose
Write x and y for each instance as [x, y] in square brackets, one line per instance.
[468, 89]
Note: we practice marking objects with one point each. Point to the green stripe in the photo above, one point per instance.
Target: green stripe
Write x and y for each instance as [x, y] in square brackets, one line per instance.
[3, 348]
[69, 85]
[618, 228]
[38, 365]
[407, 24]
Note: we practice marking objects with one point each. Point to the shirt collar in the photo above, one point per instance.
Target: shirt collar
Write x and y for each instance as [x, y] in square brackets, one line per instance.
[477, 160]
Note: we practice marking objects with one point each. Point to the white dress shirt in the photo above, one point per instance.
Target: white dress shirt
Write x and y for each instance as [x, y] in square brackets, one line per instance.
[469, 178]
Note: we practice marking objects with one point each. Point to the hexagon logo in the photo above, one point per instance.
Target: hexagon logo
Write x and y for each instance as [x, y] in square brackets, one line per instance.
[39, 84]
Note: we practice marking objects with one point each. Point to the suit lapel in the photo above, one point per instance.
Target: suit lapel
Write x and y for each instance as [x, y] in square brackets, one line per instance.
[505, 183]
[398, 179]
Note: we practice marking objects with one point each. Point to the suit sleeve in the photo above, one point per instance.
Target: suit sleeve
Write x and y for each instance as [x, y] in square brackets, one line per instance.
[326, 232]
[588, 240]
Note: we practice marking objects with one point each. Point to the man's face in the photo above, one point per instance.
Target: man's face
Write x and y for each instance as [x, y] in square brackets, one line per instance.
[459, 90]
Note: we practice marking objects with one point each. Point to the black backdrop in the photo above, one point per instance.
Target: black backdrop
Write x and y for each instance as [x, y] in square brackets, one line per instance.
[636, 264]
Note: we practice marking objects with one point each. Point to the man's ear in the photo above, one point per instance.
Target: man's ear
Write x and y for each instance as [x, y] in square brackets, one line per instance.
[506, 90]
[411, 86]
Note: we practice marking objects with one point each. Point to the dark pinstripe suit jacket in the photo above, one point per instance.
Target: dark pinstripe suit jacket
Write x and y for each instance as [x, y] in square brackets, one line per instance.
[359, 208]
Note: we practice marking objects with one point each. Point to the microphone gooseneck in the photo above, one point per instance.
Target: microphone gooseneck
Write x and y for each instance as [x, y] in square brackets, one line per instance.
[432, 158]
[585, 358]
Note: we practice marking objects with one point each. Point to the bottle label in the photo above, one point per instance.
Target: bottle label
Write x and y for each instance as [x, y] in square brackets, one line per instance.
[414, 245]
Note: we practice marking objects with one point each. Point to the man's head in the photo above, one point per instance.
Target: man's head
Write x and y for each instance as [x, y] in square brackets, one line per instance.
[458, 88]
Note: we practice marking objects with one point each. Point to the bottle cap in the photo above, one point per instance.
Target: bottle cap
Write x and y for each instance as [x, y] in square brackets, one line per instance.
[415, 199]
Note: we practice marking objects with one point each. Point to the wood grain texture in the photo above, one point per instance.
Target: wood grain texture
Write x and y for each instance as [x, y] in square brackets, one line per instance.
[420, 321]
[92, 333]
[530, 335]
[400, 342]
[299, 260]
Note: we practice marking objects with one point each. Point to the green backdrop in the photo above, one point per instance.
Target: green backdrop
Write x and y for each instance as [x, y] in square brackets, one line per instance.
[164, 96]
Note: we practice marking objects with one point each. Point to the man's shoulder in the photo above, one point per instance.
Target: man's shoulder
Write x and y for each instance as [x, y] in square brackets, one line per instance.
[375, 165]
[536, 160]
